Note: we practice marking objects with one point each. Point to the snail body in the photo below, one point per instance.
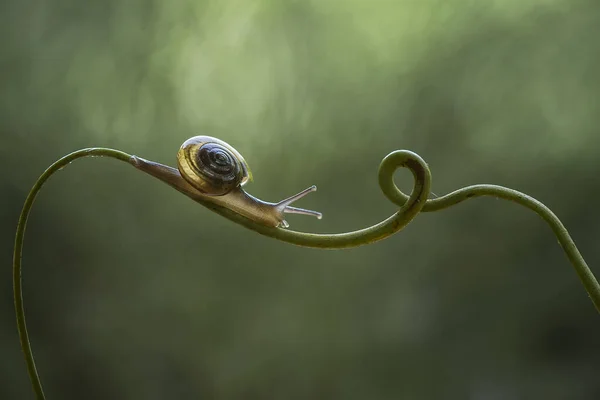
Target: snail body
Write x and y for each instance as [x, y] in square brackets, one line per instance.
[210, 170]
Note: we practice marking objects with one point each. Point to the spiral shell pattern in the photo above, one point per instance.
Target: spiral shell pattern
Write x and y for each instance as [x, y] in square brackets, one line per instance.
[211, 165]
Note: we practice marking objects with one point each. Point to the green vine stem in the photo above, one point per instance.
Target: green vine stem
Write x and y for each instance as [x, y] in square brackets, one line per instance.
[410, 206]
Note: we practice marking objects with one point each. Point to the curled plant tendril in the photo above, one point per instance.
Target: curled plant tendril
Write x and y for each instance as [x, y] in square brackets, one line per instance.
[410, 206]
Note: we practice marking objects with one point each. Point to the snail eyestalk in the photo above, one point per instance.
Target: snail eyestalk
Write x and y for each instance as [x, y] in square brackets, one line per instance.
[265, 218]
[285, 204]
[296, 210]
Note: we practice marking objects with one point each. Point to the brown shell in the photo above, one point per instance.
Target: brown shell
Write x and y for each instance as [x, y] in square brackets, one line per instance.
[212, 166]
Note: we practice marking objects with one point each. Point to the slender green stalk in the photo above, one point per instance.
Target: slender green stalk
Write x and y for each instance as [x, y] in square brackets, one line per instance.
[410, 206]
[18, 252]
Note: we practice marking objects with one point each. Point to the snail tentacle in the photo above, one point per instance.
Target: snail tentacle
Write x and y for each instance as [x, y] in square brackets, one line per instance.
[284, 205]
[302, 211]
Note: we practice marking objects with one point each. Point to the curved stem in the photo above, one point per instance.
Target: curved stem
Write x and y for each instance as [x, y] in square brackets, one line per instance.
[410, 206]
[564, 239]
[18, 252]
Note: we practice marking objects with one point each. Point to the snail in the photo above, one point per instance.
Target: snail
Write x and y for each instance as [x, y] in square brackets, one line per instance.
[211, 170]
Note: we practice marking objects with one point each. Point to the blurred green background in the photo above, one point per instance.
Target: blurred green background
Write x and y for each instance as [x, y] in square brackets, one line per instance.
[126, 291]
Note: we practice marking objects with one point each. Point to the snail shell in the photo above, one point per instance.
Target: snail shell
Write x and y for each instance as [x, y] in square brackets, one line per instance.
[212, 166]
